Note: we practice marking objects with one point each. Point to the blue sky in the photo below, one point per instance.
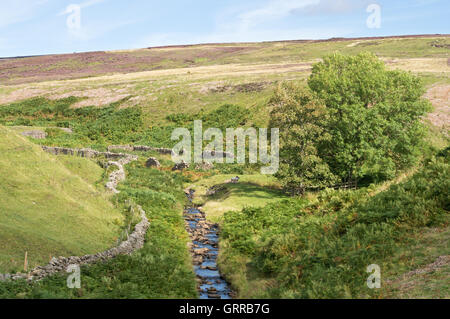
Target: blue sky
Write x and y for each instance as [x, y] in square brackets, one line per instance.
[31, 27]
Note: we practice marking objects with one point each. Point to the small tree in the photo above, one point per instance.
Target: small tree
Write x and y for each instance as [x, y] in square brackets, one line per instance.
[355, 120]
[302, 118]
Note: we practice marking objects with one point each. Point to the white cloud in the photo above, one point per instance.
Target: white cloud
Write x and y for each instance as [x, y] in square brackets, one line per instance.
[277, 9]
[250, 25]
[18, 10]
[272, 10]
[253, 21]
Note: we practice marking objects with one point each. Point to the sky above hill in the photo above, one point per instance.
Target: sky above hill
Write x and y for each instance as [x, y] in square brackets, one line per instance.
[32, 27]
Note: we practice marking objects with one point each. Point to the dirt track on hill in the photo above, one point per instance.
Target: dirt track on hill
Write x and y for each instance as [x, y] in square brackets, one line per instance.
[97, 91]
[439, 96]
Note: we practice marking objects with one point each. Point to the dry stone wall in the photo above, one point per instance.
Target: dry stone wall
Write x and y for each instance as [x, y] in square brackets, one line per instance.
[119, 160]
[87, 152]
[134, 242]
[37, 134]
[141, 148]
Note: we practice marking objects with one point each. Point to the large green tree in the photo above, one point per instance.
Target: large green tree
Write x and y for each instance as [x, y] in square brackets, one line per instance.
[354, 120]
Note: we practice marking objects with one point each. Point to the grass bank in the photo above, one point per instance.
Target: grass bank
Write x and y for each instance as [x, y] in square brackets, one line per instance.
[321, 248]
[50, 206]
[161, 269]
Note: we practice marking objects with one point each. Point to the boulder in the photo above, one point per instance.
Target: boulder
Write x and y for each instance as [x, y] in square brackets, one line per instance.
[180, 166]
[152, 162]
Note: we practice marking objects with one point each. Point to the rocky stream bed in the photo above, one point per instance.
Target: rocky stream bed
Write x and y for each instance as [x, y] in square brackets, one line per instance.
[205, 250]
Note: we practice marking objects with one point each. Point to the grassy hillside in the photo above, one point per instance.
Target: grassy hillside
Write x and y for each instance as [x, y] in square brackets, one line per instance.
[161, 269]
[50, 206]
[416, 275]
[242, 77]
[70, 66]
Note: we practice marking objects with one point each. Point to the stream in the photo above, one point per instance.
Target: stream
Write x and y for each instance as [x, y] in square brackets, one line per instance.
[205, 250]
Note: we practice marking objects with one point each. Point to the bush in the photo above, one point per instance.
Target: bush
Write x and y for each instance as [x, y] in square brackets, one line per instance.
[91, 125]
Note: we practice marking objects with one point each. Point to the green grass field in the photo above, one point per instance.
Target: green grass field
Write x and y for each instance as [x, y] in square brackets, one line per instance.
[252, 190]
[50, 206]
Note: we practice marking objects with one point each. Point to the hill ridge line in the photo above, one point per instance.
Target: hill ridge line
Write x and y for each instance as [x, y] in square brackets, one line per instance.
[174, 46]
